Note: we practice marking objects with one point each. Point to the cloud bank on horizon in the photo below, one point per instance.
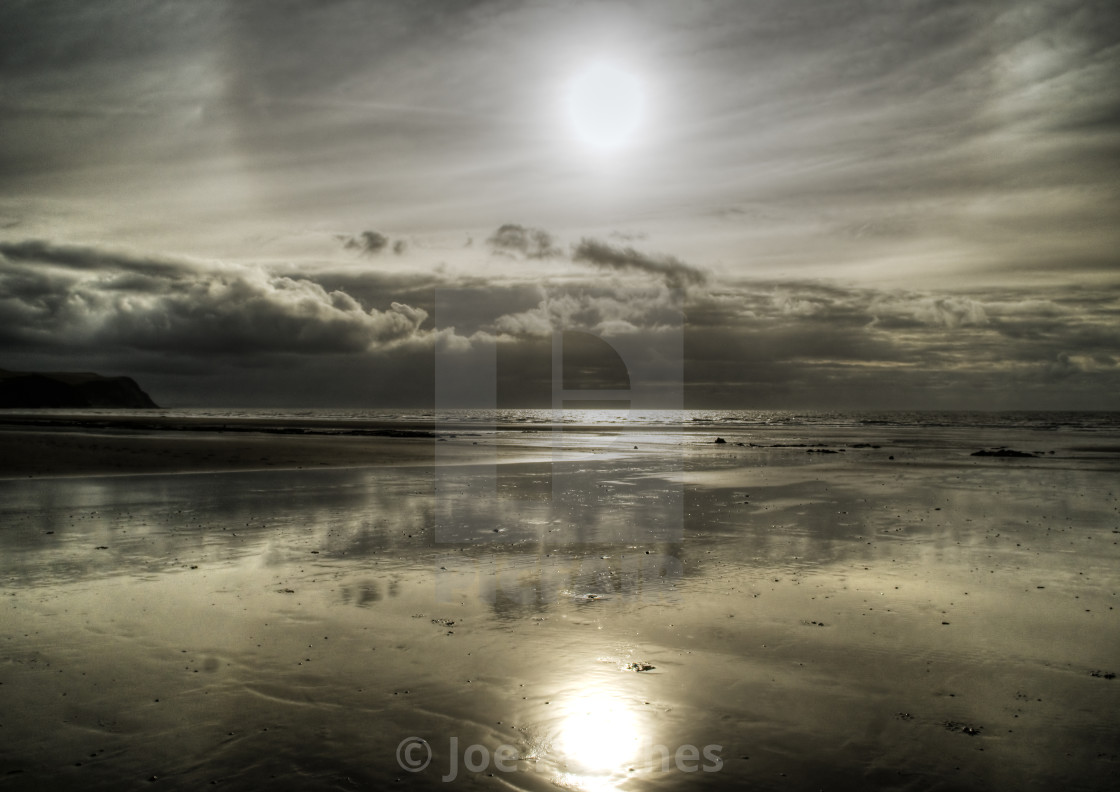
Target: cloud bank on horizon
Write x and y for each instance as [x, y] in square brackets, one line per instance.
[851, 205]
[196, 328]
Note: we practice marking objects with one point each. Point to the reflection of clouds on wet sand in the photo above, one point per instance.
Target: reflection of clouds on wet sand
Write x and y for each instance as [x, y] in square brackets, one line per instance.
[515, 584]
[839, 619]
[365, 593]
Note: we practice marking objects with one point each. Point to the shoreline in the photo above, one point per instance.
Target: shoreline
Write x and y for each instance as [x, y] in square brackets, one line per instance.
[50, 453]
[68, 444]
[37, 448]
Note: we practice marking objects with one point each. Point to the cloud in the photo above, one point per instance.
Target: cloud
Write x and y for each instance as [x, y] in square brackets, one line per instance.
[369, 243]
[1062, 367]
[806, 343]
[78, 257]
[748, 343]
[594, 309]
[534, 243]
[676, 273]
[938, 310]
[75, 298]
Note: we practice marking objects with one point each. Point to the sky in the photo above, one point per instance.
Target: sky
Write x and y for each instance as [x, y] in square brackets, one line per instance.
[773, 204]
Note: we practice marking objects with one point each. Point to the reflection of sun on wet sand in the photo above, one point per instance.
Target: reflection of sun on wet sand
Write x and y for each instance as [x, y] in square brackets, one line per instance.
[746, 615]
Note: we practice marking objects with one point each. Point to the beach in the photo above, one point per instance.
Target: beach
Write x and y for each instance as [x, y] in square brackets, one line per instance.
[300, 604]
[599, 397]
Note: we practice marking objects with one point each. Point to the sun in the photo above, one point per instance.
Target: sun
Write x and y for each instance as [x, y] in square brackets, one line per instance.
[606, 105]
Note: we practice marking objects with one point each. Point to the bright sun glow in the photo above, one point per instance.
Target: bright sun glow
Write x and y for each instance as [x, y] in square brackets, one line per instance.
[599, 735]
[605, 106]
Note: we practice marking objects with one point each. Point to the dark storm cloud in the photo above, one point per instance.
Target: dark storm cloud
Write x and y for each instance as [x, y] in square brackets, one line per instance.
[478, 303]
[767, 343]
[676, 273]
[534, 243]
[92, 259]
[65, 297]
[805, 343]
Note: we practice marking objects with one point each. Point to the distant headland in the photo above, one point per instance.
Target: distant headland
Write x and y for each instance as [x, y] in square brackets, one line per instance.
[70, 389]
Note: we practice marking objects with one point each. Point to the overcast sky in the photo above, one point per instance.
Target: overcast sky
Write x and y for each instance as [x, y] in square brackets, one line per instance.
[851, 204]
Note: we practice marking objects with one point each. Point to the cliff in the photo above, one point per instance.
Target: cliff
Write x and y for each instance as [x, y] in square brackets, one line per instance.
[70, 389]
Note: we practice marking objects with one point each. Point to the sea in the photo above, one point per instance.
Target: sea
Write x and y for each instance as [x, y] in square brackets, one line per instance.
[1092, 422]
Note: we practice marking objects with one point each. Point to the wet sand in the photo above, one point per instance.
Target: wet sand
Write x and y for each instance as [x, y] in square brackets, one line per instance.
[38, 446]
[829, 620]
